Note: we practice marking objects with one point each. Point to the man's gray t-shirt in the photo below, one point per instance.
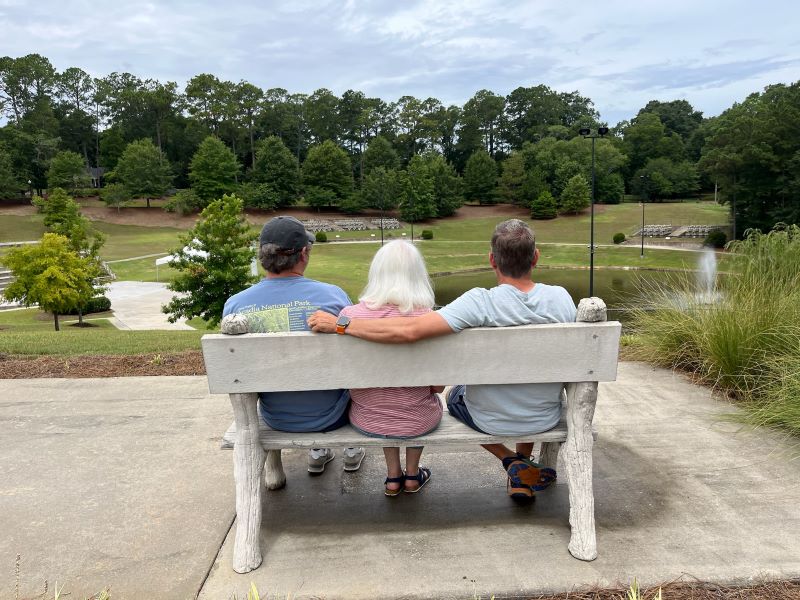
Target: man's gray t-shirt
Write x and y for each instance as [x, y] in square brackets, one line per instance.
[513, 409]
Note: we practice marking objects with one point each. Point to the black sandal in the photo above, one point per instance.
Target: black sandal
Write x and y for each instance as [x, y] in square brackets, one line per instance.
[401, 480]
[423, 476]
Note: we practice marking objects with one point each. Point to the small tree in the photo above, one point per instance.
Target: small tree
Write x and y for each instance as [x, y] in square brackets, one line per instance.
[327, 175]
[67, 170]
[204, 283]
[418, 202]
[480, 178]
[62, 215]
[115, 195]
[213, 170]
[143, 170]
[544, 207]
[278, 168]
[50, 274]
[576, 195]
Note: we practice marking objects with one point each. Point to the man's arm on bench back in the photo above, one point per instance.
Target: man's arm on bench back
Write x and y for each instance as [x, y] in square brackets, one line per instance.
[394, 330]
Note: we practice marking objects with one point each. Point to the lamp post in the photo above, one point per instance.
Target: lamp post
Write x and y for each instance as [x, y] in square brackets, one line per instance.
[30, 188]
[587, 133]
[644, 179]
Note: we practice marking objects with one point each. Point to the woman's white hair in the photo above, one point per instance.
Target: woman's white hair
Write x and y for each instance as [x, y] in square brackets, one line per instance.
[398, 276]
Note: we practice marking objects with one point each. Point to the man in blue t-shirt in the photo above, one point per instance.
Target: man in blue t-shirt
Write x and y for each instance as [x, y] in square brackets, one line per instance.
[513, 410]
[283, 301]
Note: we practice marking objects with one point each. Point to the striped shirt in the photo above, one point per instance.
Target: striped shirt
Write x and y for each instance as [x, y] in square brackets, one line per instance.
[392, 411]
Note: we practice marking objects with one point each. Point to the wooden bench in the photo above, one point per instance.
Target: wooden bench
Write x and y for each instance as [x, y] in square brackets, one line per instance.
[579, 354]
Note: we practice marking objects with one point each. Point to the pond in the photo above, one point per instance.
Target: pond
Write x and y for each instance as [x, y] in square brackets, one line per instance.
[618, 288]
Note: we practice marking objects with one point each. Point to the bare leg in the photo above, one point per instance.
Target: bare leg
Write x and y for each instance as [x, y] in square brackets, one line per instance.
[393, 468]
[413, 456]
[501, 451]
[525, 449]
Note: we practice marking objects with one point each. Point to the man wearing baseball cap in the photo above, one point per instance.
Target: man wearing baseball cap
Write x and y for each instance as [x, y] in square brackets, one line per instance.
[283, 301]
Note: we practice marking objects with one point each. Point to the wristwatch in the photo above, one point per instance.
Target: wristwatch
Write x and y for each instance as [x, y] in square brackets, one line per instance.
[341, 324]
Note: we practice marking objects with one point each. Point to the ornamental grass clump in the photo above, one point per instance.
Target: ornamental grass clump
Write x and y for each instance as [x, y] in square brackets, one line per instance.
[745, 337]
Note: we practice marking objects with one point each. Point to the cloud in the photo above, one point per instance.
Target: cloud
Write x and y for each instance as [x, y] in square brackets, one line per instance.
[620, 53]
[686, 76]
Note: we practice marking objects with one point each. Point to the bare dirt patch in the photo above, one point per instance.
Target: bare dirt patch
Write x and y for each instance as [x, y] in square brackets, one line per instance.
[156, 216]
[179, 363]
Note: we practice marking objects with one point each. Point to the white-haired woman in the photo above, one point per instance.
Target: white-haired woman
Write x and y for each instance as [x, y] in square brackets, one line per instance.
[398, 286]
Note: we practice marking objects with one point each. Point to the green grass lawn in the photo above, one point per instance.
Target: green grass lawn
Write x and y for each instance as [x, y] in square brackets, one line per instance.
[31, 332]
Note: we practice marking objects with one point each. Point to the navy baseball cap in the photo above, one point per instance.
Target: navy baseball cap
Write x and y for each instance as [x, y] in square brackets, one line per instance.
[287, 233]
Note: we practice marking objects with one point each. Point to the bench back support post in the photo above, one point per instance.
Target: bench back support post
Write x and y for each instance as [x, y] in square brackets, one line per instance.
[577, 452]
[248, 464]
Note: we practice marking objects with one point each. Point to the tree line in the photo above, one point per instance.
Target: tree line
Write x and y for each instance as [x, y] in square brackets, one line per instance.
[272, 147]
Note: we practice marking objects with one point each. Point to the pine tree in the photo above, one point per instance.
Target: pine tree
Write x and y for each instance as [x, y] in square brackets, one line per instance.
[576, 195]
[480, 178]
[205, 282]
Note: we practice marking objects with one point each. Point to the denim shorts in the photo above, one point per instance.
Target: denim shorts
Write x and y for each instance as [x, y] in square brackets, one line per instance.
[457, 407]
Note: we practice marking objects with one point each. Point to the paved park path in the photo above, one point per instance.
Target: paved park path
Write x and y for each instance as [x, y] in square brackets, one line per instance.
[137, 305]
[121, 483]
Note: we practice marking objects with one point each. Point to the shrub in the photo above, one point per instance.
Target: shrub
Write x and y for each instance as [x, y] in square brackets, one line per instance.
[94, 305]
[258, 195]
[183, 202]
[544, 207]
[85, 192]
[716, 239]
[426, 234]
[619, 238]
[321, 236]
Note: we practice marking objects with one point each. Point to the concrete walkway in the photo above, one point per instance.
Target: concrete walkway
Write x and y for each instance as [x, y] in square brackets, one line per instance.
[137, 305]
[119, 483]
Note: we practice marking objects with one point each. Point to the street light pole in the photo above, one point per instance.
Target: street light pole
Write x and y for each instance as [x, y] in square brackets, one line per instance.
[586, 133]
[642, 234]
[644, 179]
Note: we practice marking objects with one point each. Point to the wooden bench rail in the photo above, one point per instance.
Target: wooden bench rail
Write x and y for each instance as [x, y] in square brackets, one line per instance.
[264, 362]
[450, 432]
[578, 354]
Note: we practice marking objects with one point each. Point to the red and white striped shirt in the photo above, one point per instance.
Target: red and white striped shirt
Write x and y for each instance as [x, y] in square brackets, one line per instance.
[392, 411]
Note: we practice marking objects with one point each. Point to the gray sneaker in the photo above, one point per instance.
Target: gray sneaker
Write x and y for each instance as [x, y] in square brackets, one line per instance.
[353, 458]
[318, 458]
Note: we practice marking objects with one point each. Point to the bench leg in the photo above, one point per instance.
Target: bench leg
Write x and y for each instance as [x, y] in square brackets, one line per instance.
[248, 463]
[577, 456]
[549, 454]
[274, 477]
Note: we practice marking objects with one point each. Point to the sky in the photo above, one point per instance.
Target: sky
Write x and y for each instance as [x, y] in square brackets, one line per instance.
[619, 53]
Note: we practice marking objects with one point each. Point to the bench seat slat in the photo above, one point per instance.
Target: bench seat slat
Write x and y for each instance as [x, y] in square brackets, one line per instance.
[491, 355]
[451, 431]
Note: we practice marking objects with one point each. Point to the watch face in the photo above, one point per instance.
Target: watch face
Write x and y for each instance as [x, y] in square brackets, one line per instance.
[343, 321]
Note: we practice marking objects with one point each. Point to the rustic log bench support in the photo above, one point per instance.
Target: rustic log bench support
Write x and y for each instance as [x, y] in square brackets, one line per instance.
[578, 354]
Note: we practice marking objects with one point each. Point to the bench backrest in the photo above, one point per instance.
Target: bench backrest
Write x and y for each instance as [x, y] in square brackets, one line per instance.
[263, 362]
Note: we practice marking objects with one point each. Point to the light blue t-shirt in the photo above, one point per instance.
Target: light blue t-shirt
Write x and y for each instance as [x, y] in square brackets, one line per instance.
[512, 409]
[284, 304]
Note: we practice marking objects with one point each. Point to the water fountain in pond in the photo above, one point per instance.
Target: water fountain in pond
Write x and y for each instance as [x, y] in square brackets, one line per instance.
[706, 292]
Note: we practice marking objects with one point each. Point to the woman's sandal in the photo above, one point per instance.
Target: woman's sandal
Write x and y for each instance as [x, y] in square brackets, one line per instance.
[401, 480]
[423, 476]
